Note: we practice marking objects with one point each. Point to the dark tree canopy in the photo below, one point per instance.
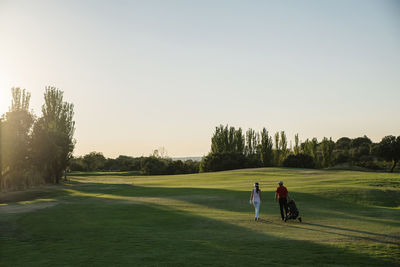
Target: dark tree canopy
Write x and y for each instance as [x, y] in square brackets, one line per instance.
[299, 161]
[360, 141]
[389, 149]
[343, 143]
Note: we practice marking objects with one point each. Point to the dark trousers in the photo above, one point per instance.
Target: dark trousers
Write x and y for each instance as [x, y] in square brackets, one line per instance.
[283, 205]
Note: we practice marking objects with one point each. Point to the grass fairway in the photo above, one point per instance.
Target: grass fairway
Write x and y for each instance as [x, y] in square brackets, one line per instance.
[349, 218]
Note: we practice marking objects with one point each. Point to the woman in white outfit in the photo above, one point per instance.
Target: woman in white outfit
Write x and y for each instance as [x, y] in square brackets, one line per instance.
[255, 198]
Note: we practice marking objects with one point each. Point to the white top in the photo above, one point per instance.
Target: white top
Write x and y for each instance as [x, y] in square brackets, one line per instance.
[256, 196]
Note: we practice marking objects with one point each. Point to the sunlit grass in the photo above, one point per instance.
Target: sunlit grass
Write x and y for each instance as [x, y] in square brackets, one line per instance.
[36, 201]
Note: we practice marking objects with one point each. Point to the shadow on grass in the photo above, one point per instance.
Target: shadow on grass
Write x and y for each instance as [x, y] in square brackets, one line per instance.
[237, 201]
[349, 235]
[92, 174]
[113, 232]
[32, 194]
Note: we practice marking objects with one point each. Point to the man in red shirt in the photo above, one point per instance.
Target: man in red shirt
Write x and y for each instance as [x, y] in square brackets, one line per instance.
[283, 194]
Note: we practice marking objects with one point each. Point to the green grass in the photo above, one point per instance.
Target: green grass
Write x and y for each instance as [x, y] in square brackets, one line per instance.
[117, 219]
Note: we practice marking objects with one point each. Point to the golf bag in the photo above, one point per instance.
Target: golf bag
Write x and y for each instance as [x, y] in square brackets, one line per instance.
[293, 212]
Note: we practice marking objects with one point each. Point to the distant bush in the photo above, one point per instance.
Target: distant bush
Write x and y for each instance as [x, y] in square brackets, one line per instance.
[222, 161]
[158, 166]
[154, 166]
[372, 165]
[341, 158]
[147, 165]
[299, 161]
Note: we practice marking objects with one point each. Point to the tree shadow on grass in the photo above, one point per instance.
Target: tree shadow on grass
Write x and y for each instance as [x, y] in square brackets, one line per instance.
[114, 232]
[237, 201]
[397, 242]
[111, 173]
[32, 194]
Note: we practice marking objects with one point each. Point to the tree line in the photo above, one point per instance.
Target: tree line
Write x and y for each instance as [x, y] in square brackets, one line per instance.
[35, 150]
[156, 164]
[232, 148]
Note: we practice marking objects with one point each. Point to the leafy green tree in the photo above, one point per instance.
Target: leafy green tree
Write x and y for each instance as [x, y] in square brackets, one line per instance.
[126, 163]
[327, 146]
[227, 140]
[360, 141]
[252, 148]
[360, 147]
[389, 149]
[299, 161]
[154, 166]
[216, 144]
[266, 152]
[341, 152]
[15, 140]
[220, 140]
[283, 147]
[251, 142]
[77, 164]
[222, 161]
[310, 148]
[94, 161]
[277, 152]
[52, 137]
[239, 141]
[343, 143]
[296, 149]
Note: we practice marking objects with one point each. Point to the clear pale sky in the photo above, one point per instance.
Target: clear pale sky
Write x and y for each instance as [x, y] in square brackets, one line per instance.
[149, 74]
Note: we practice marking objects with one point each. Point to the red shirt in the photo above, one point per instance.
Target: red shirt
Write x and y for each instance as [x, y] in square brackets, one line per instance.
[282, 191]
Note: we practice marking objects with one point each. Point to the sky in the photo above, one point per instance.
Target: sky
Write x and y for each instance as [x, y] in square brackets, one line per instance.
[149, 74]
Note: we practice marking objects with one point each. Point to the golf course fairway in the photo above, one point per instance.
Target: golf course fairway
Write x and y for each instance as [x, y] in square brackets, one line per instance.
[124, 219]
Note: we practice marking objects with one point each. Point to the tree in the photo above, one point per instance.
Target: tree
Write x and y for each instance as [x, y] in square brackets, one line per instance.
[15, 139]
[299, 161]
[251, 142]
[296, 149]
[266, 152]
[154, 166]
[239, 141]
[389, 149]
[52, 138]
[359, 147]
[327, 147]
[227, 140]
[77, 164]
[283, 147]
[222, 161]
[360, 141]
[341, 151]
[94, 161]
[277, 151]
[310, 148]
[343, 143]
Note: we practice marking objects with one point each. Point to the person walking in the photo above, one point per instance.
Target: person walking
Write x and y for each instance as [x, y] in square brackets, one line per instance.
[282, 194]
[255, 198]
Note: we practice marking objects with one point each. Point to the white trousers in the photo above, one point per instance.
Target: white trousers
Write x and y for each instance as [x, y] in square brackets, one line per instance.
[256, 207]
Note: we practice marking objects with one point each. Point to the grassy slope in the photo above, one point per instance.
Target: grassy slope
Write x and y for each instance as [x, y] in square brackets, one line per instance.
[350, 218]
